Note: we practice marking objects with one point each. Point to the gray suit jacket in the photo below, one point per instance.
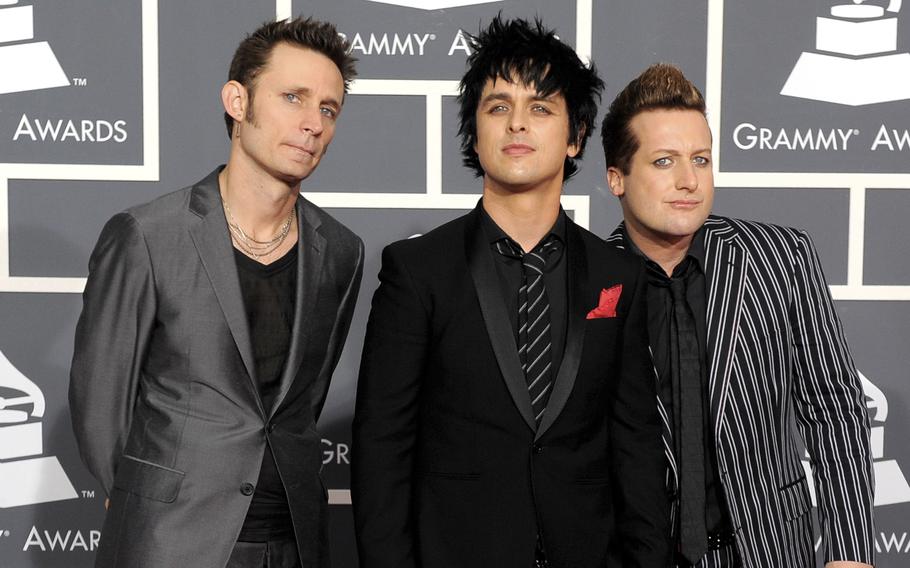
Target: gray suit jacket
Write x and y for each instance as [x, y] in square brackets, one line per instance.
[777, 354]
[163, 391]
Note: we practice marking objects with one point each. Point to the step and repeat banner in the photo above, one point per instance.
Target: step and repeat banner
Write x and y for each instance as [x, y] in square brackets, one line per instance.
[107, 104]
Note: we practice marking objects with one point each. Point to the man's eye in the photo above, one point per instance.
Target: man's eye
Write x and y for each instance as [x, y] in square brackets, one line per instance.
[541, 109]
[663, 162]
[291, 97]
[498, 108]
[701, 160]
[329, 112]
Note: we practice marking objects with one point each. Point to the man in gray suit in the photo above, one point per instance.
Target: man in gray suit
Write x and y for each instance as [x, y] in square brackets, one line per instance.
[745, 339]
[213, 319]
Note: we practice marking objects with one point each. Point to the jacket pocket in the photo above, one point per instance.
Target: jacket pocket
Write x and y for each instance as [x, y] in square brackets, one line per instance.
[148, 479]
[794, 499]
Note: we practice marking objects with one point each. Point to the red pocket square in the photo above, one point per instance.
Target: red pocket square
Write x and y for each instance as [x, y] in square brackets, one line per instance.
[606, 307]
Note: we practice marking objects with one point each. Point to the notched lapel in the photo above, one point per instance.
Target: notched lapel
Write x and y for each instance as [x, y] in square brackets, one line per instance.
[216, 252]
[495, 317]
[725, 271]
[311, 247]
[577, 258]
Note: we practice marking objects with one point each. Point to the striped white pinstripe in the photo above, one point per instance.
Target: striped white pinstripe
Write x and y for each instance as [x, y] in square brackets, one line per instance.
[777, 352]
[721, 558]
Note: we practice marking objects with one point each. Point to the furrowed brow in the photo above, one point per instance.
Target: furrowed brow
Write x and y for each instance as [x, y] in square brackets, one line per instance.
[497, 96]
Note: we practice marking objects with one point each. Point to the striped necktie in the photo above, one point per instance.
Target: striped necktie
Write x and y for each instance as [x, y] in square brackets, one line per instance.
[534, 341]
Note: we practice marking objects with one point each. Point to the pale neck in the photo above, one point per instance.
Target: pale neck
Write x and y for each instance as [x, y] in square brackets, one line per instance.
[525, 217]
[259, 204]
[666, 252]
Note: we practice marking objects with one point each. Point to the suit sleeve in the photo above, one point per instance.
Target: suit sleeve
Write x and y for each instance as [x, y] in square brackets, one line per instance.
[831, 413]
[385, 420]
[112, 335]
[643, 508]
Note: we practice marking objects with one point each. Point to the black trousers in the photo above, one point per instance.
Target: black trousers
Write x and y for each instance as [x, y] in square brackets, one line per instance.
[725, 557]
[271, 554]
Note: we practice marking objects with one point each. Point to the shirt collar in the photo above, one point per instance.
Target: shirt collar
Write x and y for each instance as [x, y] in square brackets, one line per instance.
[696, 250]
[495, 233]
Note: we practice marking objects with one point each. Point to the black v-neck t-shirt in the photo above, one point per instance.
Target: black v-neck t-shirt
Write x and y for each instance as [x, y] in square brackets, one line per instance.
[269, 293]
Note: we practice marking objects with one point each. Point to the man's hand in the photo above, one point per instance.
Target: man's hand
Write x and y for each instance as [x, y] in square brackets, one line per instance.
[847, 564]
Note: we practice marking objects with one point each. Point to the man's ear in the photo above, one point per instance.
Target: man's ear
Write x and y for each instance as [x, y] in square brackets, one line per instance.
[234, 99]
[575, 146]
[616, 181]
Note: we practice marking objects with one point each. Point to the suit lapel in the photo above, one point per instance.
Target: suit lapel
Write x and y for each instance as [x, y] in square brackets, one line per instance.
[725, 269]
[577, 259]
[213, 244]
[617, 240]
[310, 259]
[495, 317]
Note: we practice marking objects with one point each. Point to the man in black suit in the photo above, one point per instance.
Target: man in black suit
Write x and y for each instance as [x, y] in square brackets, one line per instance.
[745, 340]
[506, 405]
[213, 318]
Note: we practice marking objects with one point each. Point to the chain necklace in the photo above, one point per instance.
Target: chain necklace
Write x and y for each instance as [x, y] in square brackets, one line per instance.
[250, 246]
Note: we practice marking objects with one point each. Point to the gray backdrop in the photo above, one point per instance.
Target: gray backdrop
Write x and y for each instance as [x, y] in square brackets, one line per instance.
[142, 116]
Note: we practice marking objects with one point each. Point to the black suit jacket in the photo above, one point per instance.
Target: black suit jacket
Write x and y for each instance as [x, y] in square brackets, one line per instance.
[163, 393]
[448, 469]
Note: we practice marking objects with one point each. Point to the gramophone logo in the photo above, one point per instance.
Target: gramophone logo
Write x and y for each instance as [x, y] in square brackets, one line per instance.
[434, 4]
[25, 66]
[891, 485]
[855, 61]
[26, 478]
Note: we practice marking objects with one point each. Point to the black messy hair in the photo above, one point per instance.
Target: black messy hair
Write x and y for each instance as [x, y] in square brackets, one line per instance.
[535, 56]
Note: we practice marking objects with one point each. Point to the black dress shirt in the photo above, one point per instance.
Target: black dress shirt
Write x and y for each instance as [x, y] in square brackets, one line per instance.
[660, 310]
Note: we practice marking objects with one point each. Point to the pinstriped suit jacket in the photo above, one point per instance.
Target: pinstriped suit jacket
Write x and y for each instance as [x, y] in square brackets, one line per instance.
[776, 351]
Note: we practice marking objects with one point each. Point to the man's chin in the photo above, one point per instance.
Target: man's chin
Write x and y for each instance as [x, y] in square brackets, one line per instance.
[520, 183]
[689, 222]
[296, 173]
[686, 230]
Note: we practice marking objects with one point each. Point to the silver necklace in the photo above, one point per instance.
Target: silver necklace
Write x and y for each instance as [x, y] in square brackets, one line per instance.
[250, 246]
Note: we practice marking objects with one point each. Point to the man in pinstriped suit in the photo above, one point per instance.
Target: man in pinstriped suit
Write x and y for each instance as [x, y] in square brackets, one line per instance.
[745, 339]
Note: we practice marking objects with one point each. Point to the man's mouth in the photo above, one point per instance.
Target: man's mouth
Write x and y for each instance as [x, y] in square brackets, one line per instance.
[517, 149]
[685, 203]
[308, 150]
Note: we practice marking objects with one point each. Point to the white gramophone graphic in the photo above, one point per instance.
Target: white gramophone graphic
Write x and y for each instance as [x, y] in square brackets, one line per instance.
[855, 61]
[433, 4]
[25, 66]
[890, 484]
[26, 477]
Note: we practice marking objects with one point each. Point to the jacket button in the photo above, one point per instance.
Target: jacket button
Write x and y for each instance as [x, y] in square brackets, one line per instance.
[538, 448]
[247, 488]
[271, 427]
